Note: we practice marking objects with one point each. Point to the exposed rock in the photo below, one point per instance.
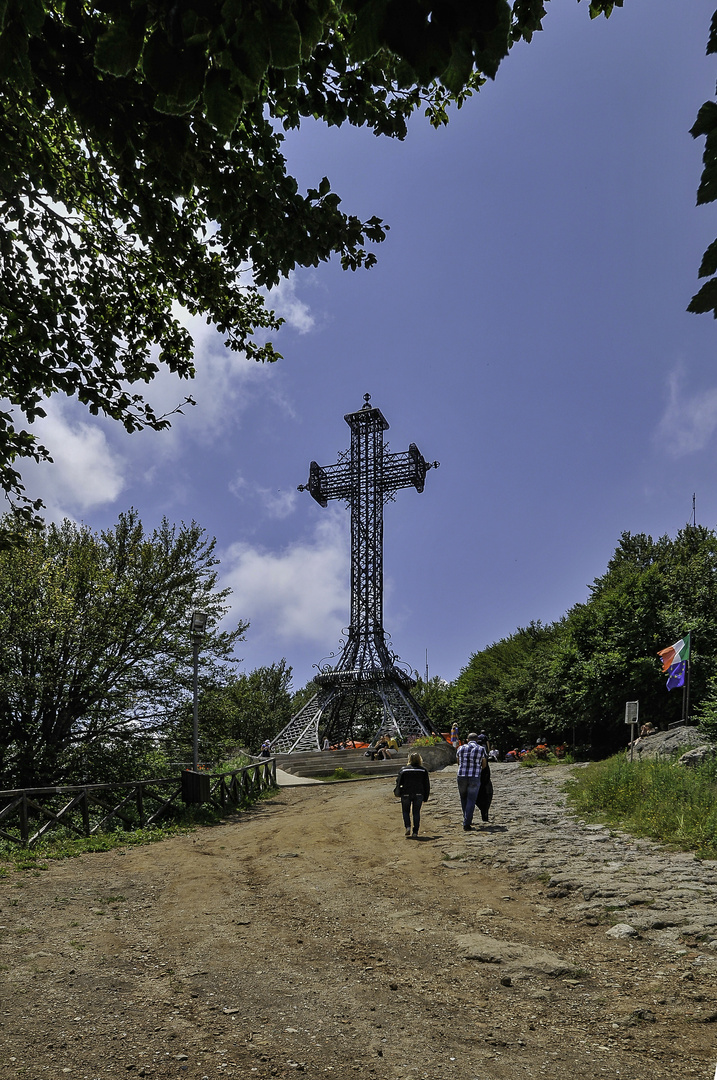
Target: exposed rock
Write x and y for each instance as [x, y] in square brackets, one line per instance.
[664, 744]
[516, 957]
[697, 756]
[621, 930]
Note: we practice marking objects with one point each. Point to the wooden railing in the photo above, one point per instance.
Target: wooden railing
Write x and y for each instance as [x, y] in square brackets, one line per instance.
[29, 814]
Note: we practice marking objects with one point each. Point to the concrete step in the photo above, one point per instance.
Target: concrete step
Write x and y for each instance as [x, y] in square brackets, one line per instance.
[326, 764]
[370, 768]
[321, 763]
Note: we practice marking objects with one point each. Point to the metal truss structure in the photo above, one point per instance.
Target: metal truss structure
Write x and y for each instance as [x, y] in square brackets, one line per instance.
[366, 688]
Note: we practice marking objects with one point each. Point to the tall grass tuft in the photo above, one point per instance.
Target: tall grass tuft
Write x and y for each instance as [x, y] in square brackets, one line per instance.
[675, 805]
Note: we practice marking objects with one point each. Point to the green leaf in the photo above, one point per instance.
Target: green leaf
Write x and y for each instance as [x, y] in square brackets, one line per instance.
[460, 67]
[706, 120]
[708, 266]
[284, 40]
[712, 40]
[118, 50]
[223, 102]
[705, 300]
[367, 37]
[161, 64]
[312, 31]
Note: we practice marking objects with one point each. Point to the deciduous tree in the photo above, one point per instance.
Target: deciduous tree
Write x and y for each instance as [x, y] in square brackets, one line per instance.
[241, 712]
[95, 642]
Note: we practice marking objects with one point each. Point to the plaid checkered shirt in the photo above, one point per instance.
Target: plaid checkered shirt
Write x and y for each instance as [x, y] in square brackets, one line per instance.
[470, 759]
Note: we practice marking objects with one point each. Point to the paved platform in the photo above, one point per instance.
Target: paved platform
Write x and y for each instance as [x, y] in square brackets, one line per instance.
[285, 779]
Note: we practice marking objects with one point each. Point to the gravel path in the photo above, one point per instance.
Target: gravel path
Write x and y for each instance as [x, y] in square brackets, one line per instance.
[665, 897]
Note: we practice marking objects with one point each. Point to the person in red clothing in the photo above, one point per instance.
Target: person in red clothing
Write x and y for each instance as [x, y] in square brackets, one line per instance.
[413, 784]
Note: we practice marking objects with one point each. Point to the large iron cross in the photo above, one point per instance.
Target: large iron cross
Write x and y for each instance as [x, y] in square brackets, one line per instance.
[366, 477]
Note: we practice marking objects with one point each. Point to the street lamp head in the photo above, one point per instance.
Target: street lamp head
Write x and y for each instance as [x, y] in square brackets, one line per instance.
[199, 622]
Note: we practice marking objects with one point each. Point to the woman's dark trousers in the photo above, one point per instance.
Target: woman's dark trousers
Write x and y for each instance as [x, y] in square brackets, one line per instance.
[408, 801]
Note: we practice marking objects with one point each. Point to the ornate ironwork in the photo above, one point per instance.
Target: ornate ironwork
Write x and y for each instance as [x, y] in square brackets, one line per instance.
[366, 680]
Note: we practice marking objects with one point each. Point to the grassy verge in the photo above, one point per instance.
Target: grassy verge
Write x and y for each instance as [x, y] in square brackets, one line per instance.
[341, 774]
[675, 805]
[532, 761]
[62, 844]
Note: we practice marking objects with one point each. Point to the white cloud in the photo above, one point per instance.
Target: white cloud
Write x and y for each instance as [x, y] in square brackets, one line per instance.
[297, 594]
[284, 301]
[89, 471]
[689, 421]
[277, 503]
[226, 382]
[85, 471]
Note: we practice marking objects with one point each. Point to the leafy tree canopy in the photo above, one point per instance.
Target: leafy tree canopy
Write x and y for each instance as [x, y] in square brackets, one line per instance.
[141, 169]
[95, 646]
[578, 673]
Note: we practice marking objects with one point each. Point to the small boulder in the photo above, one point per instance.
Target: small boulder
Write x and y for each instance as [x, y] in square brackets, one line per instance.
[697, 756]
[621, 930]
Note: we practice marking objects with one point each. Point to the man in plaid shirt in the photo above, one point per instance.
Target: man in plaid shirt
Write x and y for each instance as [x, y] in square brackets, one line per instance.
[472, 759]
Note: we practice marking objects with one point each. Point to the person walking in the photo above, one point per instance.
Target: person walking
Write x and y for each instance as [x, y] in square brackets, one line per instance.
[472, 759]
[485, 794]
[413, 784]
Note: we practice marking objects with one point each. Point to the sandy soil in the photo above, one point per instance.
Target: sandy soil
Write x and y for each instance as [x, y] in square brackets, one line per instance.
[310, 936]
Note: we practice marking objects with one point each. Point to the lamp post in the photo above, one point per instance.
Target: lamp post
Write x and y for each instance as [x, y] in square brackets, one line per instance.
[197, 626]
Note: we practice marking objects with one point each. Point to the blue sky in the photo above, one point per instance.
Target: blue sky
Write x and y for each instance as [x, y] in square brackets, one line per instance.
[525, 325]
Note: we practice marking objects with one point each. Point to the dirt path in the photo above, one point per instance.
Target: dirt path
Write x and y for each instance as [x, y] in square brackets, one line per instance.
[310, 936]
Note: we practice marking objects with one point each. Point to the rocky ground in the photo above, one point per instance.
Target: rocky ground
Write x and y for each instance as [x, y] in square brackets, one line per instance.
[309, 936]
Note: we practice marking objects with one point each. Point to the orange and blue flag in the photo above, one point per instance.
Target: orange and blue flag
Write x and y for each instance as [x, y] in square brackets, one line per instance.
[674, 662]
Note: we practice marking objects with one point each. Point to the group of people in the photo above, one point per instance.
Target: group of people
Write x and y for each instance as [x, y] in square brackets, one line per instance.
[475, 788]
[540, 750]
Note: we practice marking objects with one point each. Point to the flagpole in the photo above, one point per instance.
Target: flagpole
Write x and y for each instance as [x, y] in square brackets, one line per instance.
[686, 694]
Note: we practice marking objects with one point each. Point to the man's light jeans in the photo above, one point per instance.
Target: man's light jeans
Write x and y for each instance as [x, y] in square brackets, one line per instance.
[468, 788]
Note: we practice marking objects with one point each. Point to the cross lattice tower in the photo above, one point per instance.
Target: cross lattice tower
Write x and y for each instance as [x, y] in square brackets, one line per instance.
[366, 680]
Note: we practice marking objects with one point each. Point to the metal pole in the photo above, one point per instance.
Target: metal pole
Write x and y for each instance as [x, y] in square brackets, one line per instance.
[195, 646]
[686, 694]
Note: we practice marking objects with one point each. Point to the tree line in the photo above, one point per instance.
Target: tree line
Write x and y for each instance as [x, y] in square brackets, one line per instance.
[96, 656]
[96, 659]
[568, 681]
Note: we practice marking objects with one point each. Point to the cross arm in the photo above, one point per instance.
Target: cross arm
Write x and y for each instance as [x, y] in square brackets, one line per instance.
[328, 482]
[407, 469]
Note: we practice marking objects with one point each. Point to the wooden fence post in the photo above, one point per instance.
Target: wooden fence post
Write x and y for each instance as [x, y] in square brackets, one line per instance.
[24, 830]
[85, 807]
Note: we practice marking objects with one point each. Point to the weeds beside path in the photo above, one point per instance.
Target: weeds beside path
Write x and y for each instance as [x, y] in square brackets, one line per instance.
[655, 798]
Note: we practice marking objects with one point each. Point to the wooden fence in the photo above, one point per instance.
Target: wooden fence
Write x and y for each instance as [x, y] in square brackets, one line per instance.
[29, 814]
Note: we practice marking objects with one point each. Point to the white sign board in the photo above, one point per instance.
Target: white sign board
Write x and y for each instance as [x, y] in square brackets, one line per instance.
[631, 710]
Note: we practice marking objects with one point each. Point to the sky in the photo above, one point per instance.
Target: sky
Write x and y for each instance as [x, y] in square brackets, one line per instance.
[525, 325]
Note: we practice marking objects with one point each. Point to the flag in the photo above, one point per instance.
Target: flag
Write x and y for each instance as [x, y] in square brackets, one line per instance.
[676, 675]
[676, 653]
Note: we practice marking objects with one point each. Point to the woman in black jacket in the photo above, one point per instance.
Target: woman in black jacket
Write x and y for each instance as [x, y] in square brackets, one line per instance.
[414, 786]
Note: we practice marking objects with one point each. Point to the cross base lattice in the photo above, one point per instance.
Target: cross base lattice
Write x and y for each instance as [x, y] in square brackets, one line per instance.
[343, 709]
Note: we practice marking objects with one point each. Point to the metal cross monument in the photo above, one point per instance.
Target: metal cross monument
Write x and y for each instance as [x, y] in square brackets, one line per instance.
[365, 686]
